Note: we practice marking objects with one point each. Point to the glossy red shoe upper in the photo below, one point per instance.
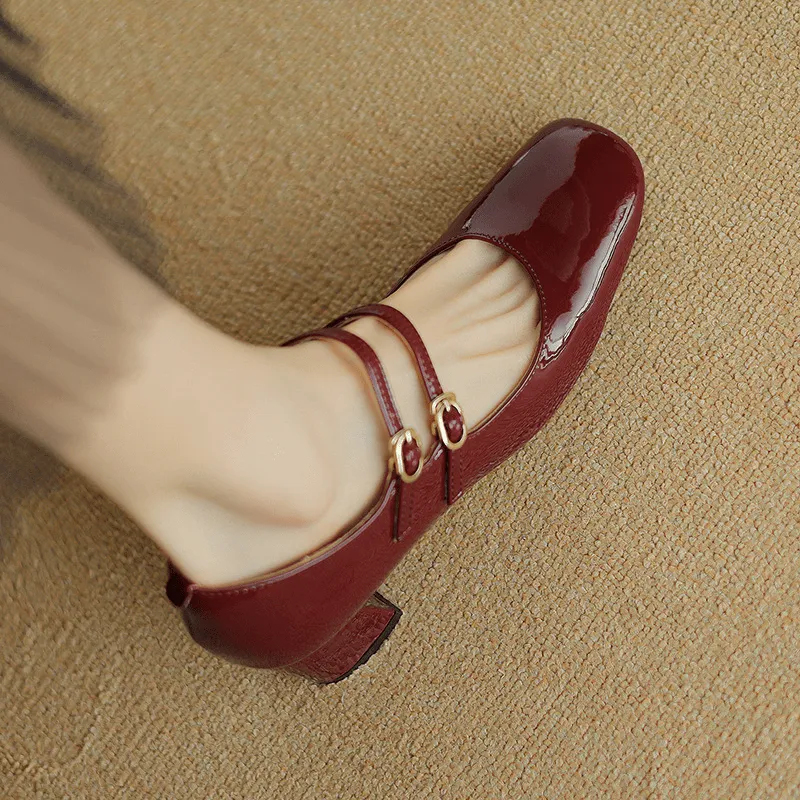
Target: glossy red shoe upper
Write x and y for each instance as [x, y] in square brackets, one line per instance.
[567, 206]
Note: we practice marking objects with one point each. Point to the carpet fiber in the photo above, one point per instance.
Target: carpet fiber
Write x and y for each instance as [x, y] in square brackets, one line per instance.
[614, 612]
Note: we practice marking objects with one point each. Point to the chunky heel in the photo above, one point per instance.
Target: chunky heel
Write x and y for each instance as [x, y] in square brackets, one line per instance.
[352, 646]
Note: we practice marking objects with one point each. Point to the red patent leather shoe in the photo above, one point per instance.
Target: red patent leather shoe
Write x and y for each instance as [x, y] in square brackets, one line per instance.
[567, 206]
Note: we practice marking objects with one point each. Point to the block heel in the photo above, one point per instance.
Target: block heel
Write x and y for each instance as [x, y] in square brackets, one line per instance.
[352, 646]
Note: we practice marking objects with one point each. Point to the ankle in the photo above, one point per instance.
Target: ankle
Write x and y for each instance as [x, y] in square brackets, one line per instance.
[147, 437]
[274, 467]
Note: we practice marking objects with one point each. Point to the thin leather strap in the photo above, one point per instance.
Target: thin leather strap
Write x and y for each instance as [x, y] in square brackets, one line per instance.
[375, 371]
[405, 328]
[403, 517]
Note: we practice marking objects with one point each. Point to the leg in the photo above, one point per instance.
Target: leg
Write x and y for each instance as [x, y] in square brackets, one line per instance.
[234, 459]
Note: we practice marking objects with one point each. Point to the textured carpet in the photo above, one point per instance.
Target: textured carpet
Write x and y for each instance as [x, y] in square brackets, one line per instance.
[614, 613]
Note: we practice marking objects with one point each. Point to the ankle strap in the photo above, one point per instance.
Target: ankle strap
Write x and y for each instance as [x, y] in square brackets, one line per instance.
[447, 417]
[372, 364]
[405, 448]
[405, 328]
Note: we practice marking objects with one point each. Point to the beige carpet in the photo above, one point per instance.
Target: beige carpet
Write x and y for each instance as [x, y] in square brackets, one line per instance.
[614, 613]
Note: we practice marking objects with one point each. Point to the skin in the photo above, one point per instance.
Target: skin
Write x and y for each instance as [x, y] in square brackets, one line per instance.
[235, 459]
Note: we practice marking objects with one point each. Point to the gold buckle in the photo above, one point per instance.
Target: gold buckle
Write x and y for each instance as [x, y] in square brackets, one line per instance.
[396, 462]
[444, 402]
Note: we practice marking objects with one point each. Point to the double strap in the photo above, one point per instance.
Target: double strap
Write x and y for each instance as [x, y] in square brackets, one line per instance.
[405, 458]
[405, 449]
[405, 328]
[447, 417]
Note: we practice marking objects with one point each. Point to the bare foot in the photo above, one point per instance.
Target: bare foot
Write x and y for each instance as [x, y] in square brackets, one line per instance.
[477, 312]
[235, 459]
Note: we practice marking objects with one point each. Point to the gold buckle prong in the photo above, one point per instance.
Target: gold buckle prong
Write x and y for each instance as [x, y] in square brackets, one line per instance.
[396, 463]
[440, 404]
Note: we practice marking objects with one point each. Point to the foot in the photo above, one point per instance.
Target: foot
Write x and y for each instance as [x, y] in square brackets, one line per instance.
[235, 459]
[277, 486]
